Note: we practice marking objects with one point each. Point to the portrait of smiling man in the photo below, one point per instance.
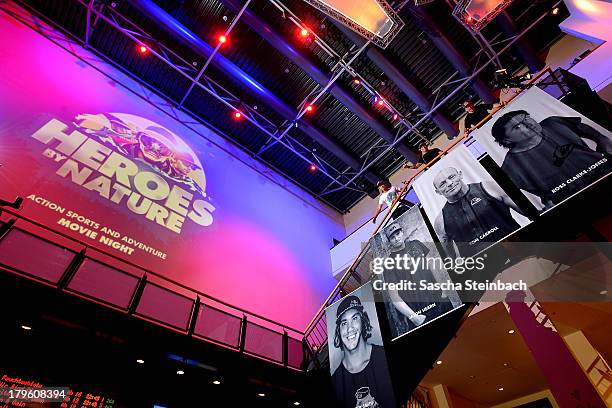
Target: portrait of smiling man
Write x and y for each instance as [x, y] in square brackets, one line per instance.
[361, 380]
[472, 211]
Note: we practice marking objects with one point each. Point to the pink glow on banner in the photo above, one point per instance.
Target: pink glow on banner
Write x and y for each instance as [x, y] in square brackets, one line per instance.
[265, 251]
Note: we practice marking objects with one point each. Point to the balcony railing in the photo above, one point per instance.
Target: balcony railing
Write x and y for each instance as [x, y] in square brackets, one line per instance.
[35, 251]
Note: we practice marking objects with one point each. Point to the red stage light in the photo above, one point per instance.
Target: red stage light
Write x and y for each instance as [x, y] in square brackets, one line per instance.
[381, 102]
[309, 108]
[222, 39]
[304, 32]
[395, 116]
[468, 18]
[237, 115]
[143, 49]
[313, 168]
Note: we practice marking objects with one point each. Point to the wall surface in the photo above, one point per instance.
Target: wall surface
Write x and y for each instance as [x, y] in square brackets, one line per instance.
[230, 228]
[591, 20]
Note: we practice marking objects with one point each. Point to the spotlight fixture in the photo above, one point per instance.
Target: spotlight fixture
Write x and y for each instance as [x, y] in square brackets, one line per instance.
[309, 108]
[395, 116]
[500, 389]
[313, 168]
[304, 32]
[180, 372]
[143, 49]
[237, 115]
[261, 394]
[140, 361]
[511, 331]
[216, 382]
[25, 327]
[296, 403]
[356, 81]
[555, 11]
[222, 39]
[439, 362]
[468, 18]
[380, 102]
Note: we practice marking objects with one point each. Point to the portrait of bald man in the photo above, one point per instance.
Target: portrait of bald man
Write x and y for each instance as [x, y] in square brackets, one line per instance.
[474, 215]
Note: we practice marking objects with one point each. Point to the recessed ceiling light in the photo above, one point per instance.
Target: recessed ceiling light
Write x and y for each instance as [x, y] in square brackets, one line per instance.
[180, 372]
[511, 331]
[140, 361]
[216, 382]
[439, 362]
[24, 327]
[500, 389]
[296, 403]
[261, 394]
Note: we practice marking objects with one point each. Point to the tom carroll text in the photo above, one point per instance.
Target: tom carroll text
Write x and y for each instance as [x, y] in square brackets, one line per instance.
[448, 285]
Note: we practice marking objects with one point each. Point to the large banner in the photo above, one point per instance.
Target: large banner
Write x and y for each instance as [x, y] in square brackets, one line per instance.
[94, 159]
[410, 272]
[549, 150]
[358, 364]
[469, 210]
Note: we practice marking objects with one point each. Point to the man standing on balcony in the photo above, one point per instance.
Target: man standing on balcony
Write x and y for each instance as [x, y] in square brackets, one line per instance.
[388, 195]
[362, 378]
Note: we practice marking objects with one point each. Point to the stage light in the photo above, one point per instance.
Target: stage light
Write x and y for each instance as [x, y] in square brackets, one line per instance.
[555, 11]
[304, 32]
[309, 108]
[140, 361]
[296, 403]
[143, 49]
[216, 382]
[222, 39]
[24, 327]
[500, 389]
[356, 81]
[313, 168]
[237, 115]
[468, 18]
[261, 394]
[439, 362]
[381, 102]
[180, 372]
[511, 331]
[395, 116]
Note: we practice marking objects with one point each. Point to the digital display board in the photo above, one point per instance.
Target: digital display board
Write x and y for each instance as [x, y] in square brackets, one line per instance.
[72, 398]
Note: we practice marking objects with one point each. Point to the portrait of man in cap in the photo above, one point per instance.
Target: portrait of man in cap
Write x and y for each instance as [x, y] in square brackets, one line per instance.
[362, 377]
[417, 306]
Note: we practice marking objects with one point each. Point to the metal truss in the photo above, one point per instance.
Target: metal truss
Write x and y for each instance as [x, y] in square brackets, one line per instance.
[461, 83]
[382, 41]
[341, 66]
[96, 10]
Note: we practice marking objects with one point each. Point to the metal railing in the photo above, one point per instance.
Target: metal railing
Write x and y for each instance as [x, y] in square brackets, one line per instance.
[70, 262]
[358, 272]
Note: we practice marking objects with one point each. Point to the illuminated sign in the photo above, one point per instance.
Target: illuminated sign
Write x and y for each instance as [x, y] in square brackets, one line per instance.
[373, 19]
[133, 163]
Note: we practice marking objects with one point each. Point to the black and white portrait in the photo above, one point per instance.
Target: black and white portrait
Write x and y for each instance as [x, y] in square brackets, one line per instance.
[468, 209]
[408, 241]
[549, 150]
[358, 365]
